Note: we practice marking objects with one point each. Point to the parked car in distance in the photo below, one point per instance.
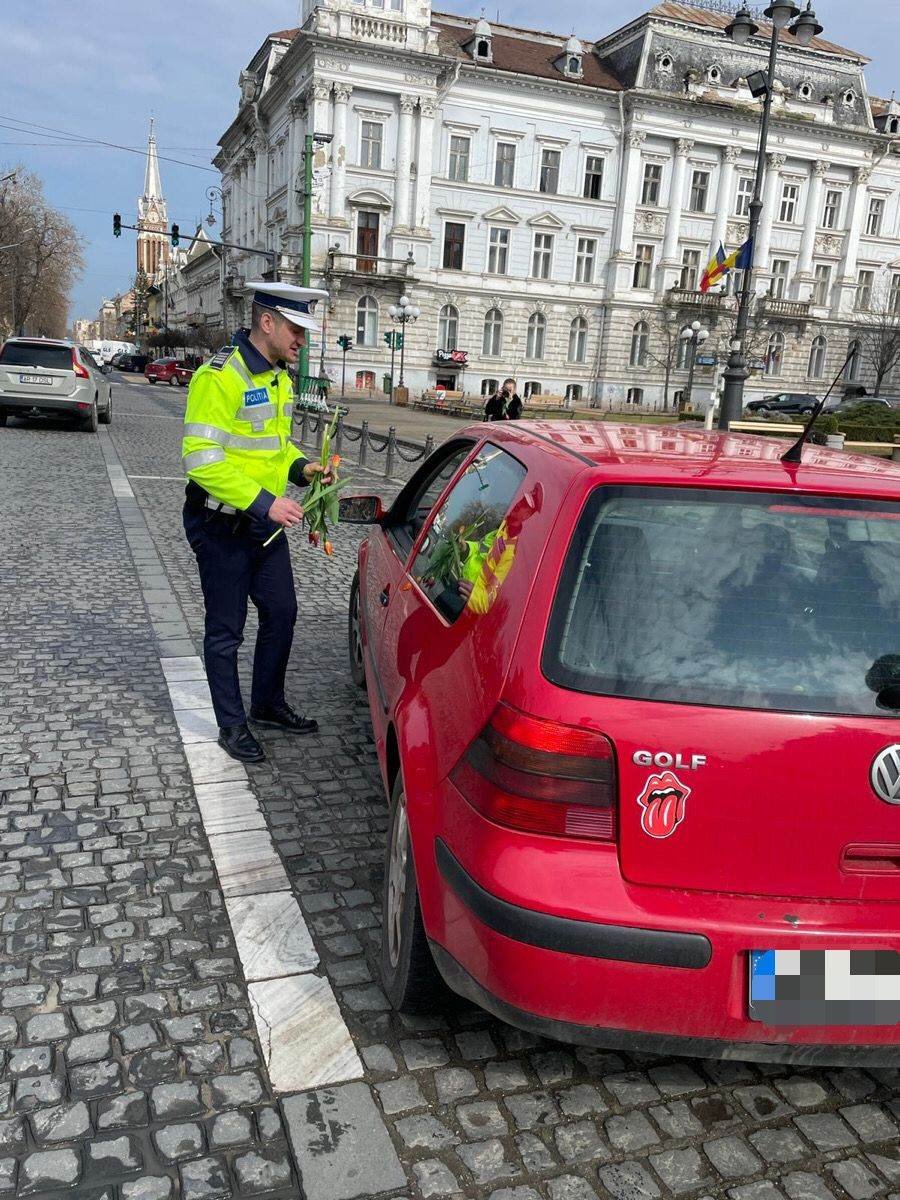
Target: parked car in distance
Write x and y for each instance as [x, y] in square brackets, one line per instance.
[40, 377]
[629, 712]
[173, 371]
[784, 402]
[134, 363]
[854, 402]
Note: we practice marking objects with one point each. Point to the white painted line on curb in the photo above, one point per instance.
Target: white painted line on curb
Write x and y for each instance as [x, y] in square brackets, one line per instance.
[163, 478]
[271, 936]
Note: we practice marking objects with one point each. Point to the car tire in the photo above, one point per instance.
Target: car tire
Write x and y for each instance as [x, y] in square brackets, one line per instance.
[151, 379]
[106, 415]
[3, 419]
[354, 636]
[411, 980]
[173, 382]
[90, 423]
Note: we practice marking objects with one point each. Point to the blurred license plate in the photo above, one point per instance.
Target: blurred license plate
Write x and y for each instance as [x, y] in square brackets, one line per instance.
[46, 380]
[825, 987]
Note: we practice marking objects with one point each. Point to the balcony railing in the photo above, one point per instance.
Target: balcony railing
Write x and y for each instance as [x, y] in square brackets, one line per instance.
[345, 262]
[791, 310]
[690, 298]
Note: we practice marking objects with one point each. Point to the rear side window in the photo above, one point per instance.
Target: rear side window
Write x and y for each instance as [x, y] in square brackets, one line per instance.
[466, 526]
[33, 354]
[730, 599]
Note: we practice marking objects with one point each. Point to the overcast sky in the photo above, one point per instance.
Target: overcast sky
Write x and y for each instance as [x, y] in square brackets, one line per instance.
[99, 68]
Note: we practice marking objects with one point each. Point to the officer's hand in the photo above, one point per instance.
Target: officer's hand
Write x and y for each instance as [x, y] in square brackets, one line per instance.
[312, 469]
[285, 512]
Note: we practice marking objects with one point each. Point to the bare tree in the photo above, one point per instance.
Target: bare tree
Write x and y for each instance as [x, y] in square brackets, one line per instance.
[668, 320]
[40, 262]
[877, 331]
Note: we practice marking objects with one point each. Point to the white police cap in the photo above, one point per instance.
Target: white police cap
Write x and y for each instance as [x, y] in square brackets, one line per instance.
[295, 304]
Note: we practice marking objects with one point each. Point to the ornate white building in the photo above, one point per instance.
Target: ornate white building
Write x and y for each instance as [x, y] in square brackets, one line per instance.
[550, 204]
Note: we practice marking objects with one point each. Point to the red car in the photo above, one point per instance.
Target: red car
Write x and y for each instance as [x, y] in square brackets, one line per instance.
[173, 371]
[636, 700]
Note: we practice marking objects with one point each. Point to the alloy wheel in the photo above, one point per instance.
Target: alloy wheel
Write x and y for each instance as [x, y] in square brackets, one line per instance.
[397, 866]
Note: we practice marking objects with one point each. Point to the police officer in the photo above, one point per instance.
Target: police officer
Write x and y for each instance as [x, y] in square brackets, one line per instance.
[239, 461]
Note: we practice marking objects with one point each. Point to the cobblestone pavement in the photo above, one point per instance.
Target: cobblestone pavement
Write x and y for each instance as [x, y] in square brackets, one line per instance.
[128, 1045]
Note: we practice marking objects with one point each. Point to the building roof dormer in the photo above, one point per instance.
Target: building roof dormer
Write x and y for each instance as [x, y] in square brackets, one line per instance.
[570, 62]
[480, 45]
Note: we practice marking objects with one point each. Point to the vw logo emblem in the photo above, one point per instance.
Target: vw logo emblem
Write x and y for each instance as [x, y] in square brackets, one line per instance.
[885, 775]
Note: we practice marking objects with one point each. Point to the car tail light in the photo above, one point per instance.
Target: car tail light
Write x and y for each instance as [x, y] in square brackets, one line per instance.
[80, 370]
[541, 776]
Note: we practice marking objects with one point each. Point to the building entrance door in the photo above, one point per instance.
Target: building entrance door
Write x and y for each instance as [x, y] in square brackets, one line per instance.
[367, 241]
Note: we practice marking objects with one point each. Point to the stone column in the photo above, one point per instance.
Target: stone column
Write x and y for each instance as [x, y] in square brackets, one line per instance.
[770, 199]
[297, 110]
[683, 147]
[339, 154]
[621, 260]
[402, 184]
[730, 157]
[851, 243]
[320, 120]
[811, 217]
[421, 214]
[252, 198]
[262, 190]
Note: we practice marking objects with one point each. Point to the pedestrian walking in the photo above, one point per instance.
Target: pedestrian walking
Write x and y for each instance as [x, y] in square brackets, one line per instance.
[514, 403]
[498, 405]
[239, 461]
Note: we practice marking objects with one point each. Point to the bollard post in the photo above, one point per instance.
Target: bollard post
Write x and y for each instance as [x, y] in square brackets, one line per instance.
[303, 430]
[338, 447]
[429, 446]
[363, 443]
[320, 431]
[895, 453]
[391, 450]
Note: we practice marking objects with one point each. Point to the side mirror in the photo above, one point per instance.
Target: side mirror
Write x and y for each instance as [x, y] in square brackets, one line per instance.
[360, 510]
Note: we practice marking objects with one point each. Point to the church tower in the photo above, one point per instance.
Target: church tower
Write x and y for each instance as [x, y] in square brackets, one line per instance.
[152, 242]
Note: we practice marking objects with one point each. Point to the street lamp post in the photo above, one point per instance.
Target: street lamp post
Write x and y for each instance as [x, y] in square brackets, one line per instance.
[403, 313]
[805, 27]
[694, 336]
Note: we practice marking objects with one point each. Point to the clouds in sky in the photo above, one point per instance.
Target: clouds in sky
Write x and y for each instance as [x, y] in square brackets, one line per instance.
[99, 68]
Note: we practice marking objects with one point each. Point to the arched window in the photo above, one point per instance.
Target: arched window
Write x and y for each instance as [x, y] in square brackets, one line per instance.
[635, 396]
[682, 354]
[448, 327]
[574, 392]
[492, 341]
[578, 340]
[817, 354]
[489, 386]
[532, 388]
[640, 338]
[775, 354]
[537, 334]
[855, 365]
[367, 322]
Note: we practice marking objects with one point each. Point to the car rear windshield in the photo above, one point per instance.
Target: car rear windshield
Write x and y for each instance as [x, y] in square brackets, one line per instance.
[33, 354]
[731, 599]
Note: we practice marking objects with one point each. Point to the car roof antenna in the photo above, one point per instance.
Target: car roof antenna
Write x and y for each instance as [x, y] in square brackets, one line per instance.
[795, 453]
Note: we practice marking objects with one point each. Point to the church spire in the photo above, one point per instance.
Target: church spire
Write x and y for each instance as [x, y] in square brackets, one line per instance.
[152, 183]
[152, 247]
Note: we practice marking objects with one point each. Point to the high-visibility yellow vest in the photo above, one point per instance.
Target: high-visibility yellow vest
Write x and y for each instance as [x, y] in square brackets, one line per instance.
[237, 428]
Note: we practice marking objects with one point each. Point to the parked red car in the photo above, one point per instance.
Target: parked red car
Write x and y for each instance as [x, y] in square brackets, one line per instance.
[174, 371]
[636, 700]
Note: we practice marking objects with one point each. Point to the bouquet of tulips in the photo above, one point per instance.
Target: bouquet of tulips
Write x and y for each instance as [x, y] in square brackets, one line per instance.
[320, 501]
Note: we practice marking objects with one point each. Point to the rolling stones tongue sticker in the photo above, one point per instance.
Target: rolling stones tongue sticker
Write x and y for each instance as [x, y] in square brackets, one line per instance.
[662, 800]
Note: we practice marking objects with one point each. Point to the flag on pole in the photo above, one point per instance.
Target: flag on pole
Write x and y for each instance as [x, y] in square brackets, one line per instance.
[715, 270]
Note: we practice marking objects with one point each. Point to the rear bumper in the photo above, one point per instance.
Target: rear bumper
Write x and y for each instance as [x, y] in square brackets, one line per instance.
[18, 402]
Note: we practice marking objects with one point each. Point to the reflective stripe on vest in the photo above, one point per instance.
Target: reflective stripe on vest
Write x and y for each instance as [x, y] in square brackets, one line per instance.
[210, 433]
[238, 441]
[202, 458]
[238, 365]
[257, 414]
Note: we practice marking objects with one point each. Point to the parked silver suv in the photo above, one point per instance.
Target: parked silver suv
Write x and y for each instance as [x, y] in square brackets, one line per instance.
[41, 377]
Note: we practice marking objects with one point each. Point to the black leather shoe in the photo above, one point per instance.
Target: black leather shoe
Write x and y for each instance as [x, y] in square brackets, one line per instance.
[239, 742]
[282, 716]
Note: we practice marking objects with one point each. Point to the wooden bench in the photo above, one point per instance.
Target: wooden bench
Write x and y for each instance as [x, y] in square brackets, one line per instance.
[546, 404]
[435, 400]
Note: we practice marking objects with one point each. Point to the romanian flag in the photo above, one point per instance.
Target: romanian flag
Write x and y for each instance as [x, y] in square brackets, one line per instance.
[721, 265]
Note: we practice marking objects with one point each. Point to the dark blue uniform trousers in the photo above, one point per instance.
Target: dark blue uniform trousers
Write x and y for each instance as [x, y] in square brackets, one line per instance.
[234, 567]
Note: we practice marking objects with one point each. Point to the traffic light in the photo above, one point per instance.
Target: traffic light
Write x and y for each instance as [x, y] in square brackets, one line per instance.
[345, 342]
[117, 225]
[398, 339]
[174, 235]
[389, 337]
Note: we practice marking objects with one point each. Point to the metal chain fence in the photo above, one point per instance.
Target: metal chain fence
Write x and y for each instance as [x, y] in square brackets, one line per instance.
[400, 455]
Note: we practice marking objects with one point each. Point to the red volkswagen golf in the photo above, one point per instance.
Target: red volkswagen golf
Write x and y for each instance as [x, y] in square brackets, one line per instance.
[636, 699]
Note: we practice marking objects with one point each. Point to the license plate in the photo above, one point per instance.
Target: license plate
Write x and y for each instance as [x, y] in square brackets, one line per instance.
[825, 987]
[45, 380]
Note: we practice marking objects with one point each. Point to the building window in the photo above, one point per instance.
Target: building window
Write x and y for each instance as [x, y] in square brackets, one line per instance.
[683, 350]
[454, 243]
[448, 327]
[492, 338]
[489, 386]
[854, 353]
[640, 342]
[699, 191]
[775, 354]
[578, 340]
[370, 144]
[635, 395]
[365, 380]
[542, 255]
[831, 213]
[367, 322]
[537, 334]
[505, 165]
[818, 350]
[532, 388]
[789, 195]
[744, 196]
[459, 158]
[690, 270]
[585, 259]
[894, 297]
[574, 393]
[865, 282]
[876, 212]
[498, 250]
[643, 266]
[651, 184]
[778, 286]
[550, 160]
[822, 285]
[593, 177]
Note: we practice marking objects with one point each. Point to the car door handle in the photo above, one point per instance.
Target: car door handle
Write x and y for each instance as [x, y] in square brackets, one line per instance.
[385, 596]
